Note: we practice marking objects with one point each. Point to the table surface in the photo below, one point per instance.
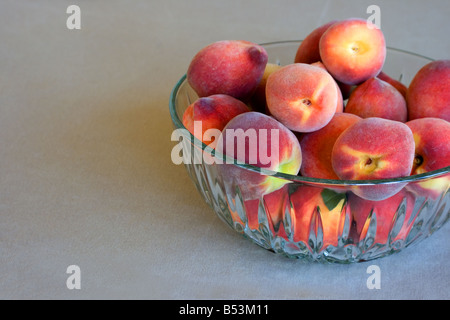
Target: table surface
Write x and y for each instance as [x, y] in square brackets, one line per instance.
[86, 176]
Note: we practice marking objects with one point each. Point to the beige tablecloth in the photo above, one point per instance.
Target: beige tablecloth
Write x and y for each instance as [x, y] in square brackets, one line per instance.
[86, 177]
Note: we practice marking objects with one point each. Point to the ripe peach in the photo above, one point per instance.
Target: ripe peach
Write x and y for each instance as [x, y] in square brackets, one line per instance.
[384, 221]
[310, 214]
[317, 147]
[374, 148]
[233, 67]
[259, 140]
[377, 98]
[432, 152]
[395, 83]
[258, 100]
[308, 50]
[302, 97]
[428, 94]
[352, 52]
[340, 101]
[213, 112]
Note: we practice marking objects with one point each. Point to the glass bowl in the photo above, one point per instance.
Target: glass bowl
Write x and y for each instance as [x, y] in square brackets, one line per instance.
[316, 219]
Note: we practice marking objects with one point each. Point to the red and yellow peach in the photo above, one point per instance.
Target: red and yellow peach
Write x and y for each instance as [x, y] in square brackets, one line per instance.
[352, 51]
[428, 95]
[374, 148]
[302, 97]
[232, 67]
[377, 98]
[432, 152]
[212, 112]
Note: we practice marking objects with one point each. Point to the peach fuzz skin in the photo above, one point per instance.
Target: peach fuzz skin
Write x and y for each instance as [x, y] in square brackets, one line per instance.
[344, 89]
[395, 83]
[254, 184]
[374, 148]
[352, 52]
[377, 98]
[309, 212]
[428, 95]
[302, 97]
[382, 213]
[340, 101]
[233, 67]
[432, 152]
[308, 50]
[214, 112]
[317, 147]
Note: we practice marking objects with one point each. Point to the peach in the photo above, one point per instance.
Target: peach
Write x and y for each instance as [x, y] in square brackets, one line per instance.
[432, 152]
[428, 95]
[340, 101]
[317, 147]
[377, 98]
[302, 97]
[263, 142]
[258, 100]
[311, 216]
[308, 50]
[352, 51]
[233, 67]
[395, 83]
[374, 148]
[384, 221]
[212, 112]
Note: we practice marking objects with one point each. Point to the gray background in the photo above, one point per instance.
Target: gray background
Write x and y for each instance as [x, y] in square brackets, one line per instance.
[86, 176]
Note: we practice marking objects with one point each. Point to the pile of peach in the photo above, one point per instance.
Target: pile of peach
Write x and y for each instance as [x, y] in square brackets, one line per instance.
[340, 116]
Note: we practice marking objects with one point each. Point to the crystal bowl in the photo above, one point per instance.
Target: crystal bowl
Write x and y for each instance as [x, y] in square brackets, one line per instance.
[316, 219]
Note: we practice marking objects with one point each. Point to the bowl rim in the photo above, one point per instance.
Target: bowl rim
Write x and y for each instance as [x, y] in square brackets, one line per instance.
[298, 178]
